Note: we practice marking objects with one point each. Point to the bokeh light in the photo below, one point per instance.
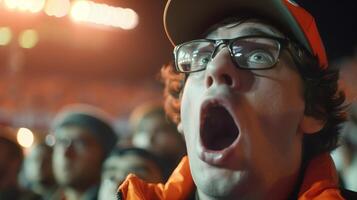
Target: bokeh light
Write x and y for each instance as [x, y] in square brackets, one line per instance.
[131, 19]
[36, 5]
[25, 137]
[11, 4]
[5, 36]
[33, 6]
[57, 8]
[80, 10]
[102, 14]
[28, 38]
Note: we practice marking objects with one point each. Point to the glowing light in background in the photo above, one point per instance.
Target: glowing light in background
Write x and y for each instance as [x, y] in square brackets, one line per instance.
[28, 38]
[36, 6]
[80, 10]
[57, 8]
[129, 19]
[25, 137]
[88, 11]
[5, 36]
[33, 6]
[11, 4]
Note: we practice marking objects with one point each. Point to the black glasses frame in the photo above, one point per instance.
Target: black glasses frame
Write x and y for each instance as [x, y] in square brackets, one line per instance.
[283, 42]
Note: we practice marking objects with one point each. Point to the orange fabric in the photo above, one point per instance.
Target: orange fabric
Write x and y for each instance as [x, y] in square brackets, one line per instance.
[178, 187]
[308, 25]
[320, 182]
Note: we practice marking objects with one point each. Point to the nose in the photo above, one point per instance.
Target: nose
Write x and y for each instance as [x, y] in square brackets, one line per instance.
[221, 70]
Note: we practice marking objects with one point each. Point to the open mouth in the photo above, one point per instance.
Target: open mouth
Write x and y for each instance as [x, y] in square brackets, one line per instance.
[218, 129]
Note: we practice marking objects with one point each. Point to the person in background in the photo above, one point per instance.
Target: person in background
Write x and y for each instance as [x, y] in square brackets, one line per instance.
[345, 157]
[84, 137]
[11, 158]
[37, 171]
[260, 110]
[348, 150]
[121, 162]
[153, 131]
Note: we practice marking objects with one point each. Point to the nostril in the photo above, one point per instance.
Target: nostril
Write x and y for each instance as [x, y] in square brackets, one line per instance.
[209, 81]
[227, 79]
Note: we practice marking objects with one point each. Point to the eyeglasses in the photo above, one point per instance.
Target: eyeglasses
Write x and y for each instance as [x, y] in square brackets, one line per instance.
[248, 52]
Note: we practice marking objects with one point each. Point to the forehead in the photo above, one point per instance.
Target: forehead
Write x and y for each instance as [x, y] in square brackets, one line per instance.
[245, 28]
[73, 132]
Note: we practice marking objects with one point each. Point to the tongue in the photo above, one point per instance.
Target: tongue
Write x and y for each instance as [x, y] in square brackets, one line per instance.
[219, 129]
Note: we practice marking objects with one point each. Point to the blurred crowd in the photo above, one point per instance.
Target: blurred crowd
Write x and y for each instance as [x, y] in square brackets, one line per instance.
[89, 158]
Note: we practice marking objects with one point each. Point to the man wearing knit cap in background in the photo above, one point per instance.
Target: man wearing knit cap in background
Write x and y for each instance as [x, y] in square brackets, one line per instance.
[84, 137]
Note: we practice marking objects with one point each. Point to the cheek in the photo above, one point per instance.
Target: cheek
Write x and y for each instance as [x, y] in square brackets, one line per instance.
[278, 107]
[279, 94]
[190, 106]
[91, 157]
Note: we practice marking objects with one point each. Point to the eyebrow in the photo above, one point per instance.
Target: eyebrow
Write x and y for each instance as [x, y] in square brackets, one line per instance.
[259, 31]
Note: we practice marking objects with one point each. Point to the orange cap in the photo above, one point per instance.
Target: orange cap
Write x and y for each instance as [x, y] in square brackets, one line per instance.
[185, 20]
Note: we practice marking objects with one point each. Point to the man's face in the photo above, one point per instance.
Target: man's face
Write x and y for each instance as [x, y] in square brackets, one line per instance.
[155, 134]
[116, 168]
[77, 157]
[243, 128]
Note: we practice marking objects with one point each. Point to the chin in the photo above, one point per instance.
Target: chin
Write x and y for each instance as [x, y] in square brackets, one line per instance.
[221, 189]
[223, 183]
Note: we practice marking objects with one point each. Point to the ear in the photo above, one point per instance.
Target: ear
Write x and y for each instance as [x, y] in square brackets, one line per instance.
[310, 125]
[180, 128]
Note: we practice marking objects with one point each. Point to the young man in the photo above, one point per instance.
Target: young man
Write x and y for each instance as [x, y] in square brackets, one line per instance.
[84, 138]
[254, 98]
[122, 162]
[154, 132]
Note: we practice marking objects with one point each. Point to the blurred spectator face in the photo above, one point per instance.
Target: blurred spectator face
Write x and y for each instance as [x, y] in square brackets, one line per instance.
[154, 133]
[38, 166]
[117, 167]
[77, 157]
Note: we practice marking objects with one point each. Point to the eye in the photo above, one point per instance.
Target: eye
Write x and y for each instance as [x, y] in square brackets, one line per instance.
[260, 58]
[201, 59]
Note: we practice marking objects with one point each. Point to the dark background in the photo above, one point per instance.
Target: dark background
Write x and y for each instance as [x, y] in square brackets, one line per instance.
[337, 22]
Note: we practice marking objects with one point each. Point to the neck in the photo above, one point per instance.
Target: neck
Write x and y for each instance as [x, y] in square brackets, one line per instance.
[282, 189]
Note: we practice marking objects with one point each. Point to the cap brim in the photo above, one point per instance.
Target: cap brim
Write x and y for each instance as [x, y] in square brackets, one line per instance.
[186, 20]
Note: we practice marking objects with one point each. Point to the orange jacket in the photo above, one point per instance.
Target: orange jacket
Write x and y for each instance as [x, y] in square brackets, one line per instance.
[320, 183]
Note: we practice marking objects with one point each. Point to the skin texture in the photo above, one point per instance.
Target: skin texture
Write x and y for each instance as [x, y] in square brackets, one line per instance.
[116, 168]
[268, 109]
[77, 166]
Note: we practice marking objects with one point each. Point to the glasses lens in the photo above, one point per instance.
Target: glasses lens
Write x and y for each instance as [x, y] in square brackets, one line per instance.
[193, 56]
[255, 53]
